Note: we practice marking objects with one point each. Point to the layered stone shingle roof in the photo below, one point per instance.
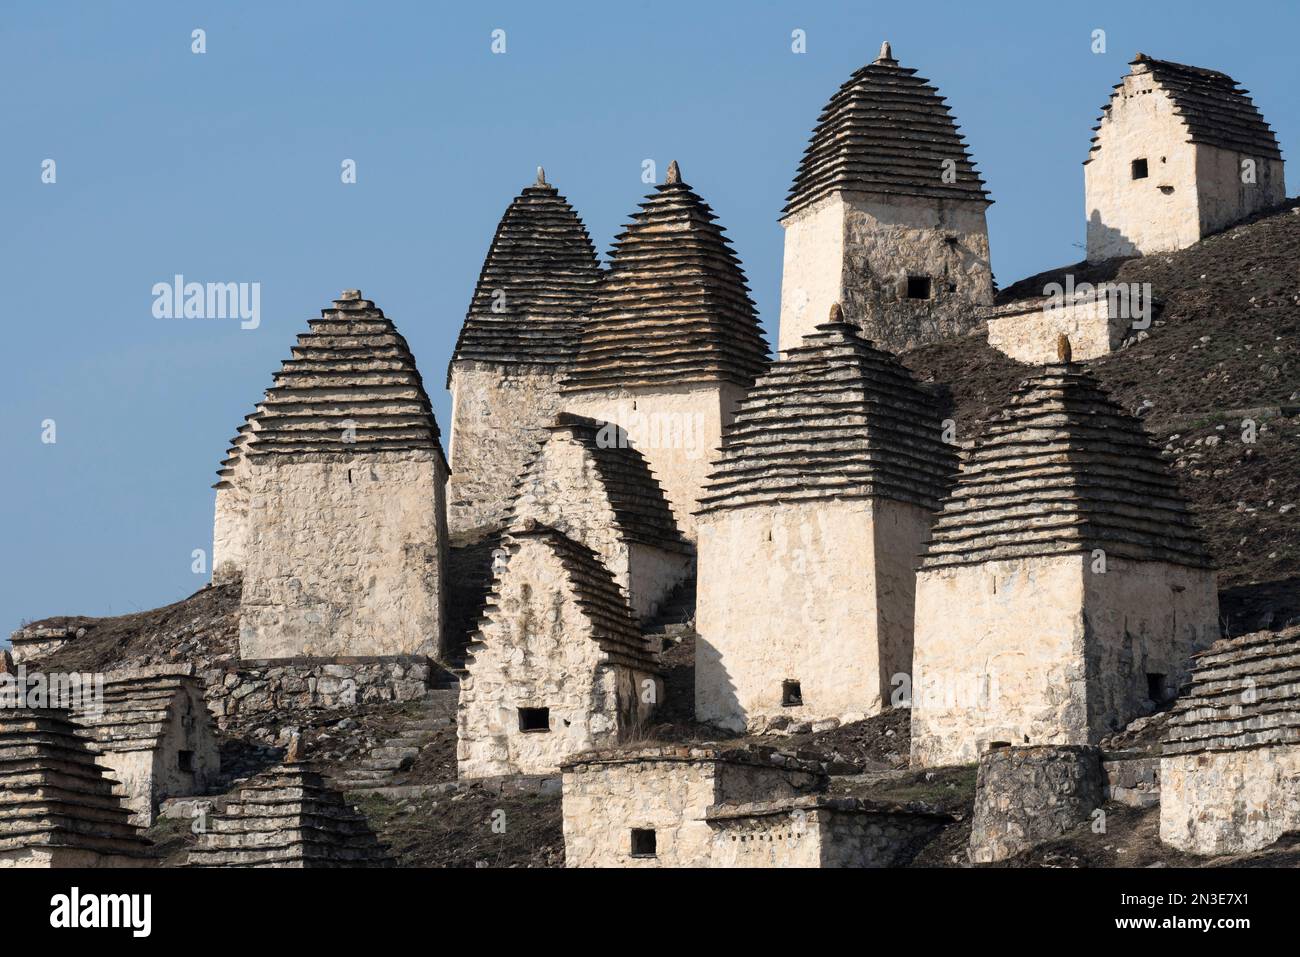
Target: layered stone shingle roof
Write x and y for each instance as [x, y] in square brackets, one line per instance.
[1243, 693]
[1064, 470]
[288, 816]
[1212, 105]
[350, 386]
[641, 511]
[537, 285]
[837, 418]
[886, 130]
[674, 306]
[52, 793]
[601, 600]
[137, 709]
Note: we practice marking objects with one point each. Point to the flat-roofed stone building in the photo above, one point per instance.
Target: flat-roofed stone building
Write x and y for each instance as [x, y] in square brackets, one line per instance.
[558, 664]
[153, 732]
[673, 342]
[1179, 152]
[588, 482]
[1231, 757]
[886, 216]
[810, 531]
[1065, 586]
[58, 807]
[521, 332]
[346, 536]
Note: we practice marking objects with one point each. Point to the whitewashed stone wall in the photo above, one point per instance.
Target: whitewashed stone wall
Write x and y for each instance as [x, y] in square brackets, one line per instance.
[668, 790]
[230, 518]
[820, 592]
[497, 414]
[1028, 331]
[1229, 802]
[677, 429]
[346, 556]
[565, 493]
[538, 652]
[859, 249]
[68, 857]
[1046, 651]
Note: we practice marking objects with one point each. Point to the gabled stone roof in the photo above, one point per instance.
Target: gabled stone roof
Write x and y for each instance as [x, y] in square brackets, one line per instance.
[1064, 470]
[288, 816]
[1243, 693]
[137, 709]
[886, 130]
[351, 368]
[674, 306]
[1212, 105]
[542, 260]
[53, 794]
[603, 603]
[641, 511]
[837, 418]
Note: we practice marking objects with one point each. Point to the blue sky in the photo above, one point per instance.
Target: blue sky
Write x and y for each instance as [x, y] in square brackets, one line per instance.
[225, 167]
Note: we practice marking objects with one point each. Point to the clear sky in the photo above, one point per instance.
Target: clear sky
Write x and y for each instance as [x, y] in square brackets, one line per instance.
[226, 167]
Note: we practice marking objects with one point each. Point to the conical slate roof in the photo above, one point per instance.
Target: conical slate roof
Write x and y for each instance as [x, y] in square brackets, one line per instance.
[641, 512]
[591, 585]
[537, 285]
[1212, 105]
[674, 306]
[350, 385]
[52, 793]
[837, 418]
[886, 130]
[288, 816]
[1244, 693]
[1064, 470]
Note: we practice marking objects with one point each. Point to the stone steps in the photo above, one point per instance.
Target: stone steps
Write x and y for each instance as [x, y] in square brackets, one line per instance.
[376, 771]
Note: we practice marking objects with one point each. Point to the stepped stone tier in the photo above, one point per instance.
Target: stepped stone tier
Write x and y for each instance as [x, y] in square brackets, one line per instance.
[673, 341]
[1178, 153]
[886, 216]
[153, 732]
[1082, 581]
[824, 491]
[558, 663]
[58, 808]
[288, 816]
[1232, 752]
[537, 287]
[588, 482]
[344, 542]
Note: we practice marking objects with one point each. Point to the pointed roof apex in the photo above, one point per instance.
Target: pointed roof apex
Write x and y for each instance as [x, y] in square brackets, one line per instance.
[886, 53]
[541, 177]
[674, 173]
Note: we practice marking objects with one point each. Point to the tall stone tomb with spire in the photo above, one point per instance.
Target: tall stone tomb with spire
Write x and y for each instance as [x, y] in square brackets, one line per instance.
[810, 530]
[886, 216]
[1178, 153]
[1065, 587]
[673, 342]
[342, 484]
[537, 286]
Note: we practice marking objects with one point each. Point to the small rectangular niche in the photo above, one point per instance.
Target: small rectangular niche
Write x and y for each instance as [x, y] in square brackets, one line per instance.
[791, 694]
[918, 287]
[1155, 686]
[643, 842]
[1139, 168]
[534, 720]
[185, 761]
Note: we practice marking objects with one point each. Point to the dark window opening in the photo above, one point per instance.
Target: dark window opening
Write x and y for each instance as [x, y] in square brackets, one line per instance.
[534, 719]
[918, 287]
[1155, 686]
[185, 760]
[1139, 169]
[995, 745]
[791, 694]
[643, 842]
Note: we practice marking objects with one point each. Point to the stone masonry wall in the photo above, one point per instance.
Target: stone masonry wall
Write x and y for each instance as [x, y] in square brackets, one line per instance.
[1028, 331]
[1229, 802]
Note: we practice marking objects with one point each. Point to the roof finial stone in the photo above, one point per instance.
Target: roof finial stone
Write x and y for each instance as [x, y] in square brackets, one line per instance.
[886, 53]
[1063, 351]
[674, 173]
[541, 177]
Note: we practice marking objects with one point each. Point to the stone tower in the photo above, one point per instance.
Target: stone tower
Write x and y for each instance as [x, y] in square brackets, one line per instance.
[810, 530]
[1178, 153]
[886, 216]
[344, 536]
[673, 342]
[1065, 586]
[537, 285]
